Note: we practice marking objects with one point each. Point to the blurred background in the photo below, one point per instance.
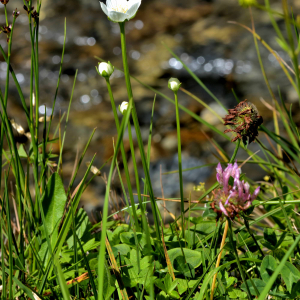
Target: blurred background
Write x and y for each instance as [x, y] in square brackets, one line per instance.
[222, 55]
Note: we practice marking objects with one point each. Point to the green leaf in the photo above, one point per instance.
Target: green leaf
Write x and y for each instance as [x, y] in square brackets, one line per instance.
[191, 257]
[121, 249]
[182, 285]
[128, 239]
[114, 238]
[270, 236]
[108, 283]
[209, 213]
[198, 231]
[21, 151]
[160, 285]
[290, 275]
[257, 282]
[132, 274]
[295, 290]
[267, 267]
[162, 296]
[83, 226]
[229, 280]
[182, 266]
[53, 202]
[236, 294]
[170, 285]
[146, 278]
[145, 262]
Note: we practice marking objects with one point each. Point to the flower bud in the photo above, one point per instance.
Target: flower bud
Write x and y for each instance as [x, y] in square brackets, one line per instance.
[105, 69]
[247, 3]
[174, 84]
[123, 107]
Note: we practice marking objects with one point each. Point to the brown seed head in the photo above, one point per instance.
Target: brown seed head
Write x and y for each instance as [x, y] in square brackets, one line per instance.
[4, 1]
[244, 120]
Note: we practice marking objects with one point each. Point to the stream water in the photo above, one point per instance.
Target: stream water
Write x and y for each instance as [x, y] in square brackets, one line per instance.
[222, 55]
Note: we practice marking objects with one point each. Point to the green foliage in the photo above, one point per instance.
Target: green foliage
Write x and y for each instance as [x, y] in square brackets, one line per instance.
[51, 250]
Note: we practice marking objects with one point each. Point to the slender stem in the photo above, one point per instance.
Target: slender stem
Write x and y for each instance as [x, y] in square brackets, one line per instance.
[179, 162]
[238, 260]
[113, 105]
[137, 179]
[253, 237]
[237, 145]
[155, 211]
[219, 260]
[5, 10]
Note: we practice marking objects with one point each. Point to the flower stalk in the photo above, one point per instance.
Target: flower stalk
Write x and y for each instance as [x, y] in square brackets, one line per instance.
[225, 230]
[237, 258]
[113, 105]
[154, 207]
[179, 162]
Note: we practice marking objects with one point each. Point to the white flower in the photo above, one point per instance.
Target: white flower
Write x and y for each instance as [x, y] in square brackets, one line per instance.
[174, 84]
[106, 69]
[123, 107]
[120, 10]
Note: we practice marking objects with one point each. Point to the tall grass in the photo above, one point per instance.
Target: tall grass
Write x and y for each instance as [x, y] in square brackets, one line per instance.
[49, 248]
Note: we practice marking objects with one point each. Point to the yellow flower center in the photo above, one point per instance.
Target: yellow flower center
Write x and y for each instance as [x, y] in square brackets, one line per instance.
[121, 8]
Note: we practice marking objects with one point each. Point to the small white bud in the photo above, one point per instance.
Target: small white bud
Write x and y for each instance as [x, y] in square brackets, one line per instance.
[105, 69]
[123, 107]
[174, 84]
[18, 127]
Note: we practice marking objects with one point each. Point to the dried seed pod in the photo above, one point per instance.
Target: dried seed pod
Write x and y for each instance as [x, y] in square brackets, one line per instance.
[244, 120]
[94, 169]
[18, 127]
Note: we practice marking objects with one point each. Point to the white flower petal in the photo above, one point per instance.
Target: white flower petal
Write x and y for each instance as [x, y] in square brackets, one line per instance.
[120, 2]
[104, 8]
[117, 16]
[133, 7]
[109, 4]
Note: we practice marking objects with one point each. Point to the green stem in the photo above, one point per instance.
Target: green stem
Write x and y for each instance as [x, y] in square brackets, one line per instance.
[238, 260]
[102, 251]
[237, 145]
[179, 162]
[252, 235]
[6, 20]
[113, 105]
[155, 211]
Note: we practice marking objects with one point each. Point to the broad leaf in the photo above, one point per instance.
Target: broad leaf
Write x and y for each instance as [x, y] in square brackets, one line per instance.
[191, 257]
[267, 267]
[290, 275]
[53, 202]
[259, 284]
